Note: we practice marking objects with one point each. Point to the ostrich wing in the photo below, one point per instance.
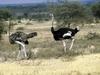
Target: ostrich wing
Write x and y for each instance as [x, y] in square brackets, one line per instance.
[17, 36]
[67, 34]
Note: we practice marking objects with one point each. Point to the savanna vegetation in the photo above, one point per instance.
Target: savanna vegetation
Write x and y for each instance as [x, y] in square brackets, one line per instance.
[50, 59]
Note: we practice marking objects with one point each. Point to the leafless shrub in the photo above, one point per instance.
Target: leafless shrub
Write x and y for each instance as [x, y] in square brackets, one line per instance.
[20, 28]
[92, 35]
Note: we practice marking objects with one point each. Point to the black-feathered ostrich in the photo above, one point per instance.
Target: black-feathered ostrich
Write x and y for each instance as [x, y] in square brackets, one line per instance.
[64, 33]
[22, 39]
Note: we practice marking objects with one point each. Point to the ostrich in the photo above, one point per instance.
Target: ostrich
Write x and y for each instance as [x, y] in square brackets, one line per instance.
[22, 39]
[64, 33]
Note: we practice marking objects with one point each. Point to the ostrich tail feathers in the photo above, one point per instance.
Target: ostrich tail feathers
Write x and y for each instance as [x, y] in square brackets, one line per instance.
[30, 35]
[52, 29]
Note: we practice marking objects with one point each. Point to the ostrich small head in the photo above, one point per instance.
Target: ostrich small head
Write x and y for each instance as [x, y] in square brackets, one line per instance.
[77, 29]
[51, 14]
[52, 28]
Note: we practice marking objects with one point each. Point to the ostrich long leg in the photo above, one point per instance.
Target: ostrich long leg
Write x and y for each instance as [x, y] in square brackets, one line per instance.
[72, 44]
[64, 44]
[23, 48]
[19, 54]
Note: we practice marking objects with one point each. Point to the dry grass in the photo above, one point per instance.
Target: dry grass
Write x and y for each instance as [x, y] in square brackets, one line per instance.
[51, 59]
[81, 65]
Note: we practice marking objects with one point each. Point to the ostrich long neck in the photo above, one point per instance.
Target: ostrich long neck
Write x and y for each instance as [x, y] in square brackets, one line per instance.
[52, 28]
[52, 20]
[23, 47]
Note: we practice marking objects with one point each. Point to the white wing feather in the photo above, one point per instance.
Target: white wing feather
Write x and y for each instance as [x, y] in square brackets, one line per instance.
[67, 34]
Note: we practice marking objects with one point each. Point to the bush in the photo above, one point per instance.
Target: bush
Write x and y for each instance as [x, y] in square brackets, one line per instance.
[71, 12]
[5, 14]
[29, 23]
[20, 28]
[19, 21]
[92, 35]
[2, 29]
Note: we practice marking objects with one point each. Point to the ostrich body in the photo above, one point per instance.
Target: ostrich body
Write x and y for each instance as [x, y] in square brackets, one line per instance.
[64, 33]
[22, 39]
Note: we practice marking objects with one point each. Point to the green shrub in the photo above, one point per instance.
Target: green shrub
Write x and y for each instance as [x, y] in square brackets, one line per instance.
[2, 28]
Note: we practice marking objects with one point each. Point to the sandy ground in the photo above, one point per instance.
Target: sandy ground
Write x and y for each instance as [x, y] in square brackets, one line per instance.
[80, 65]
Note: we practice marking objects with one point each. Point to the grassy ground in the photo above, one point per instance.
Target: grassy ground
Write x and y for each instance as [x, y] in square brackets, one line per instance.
[82, 60]
[81, 65]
